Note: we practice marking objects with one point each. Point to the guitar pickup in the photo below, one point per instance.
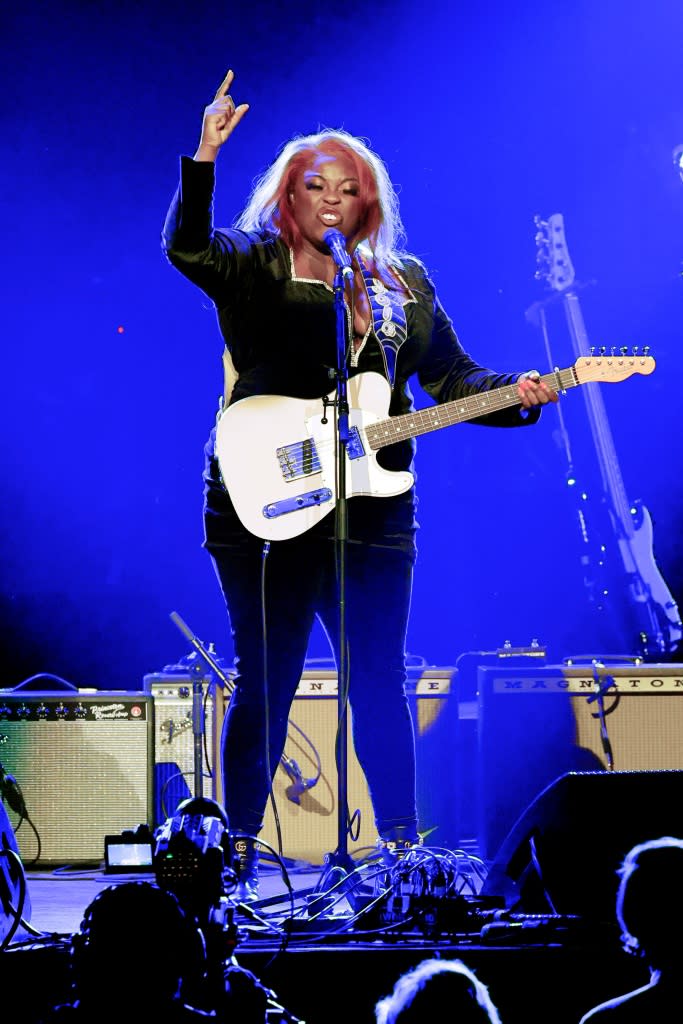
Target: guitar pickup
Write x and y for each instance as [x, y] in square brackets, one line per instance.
[298, 460]
[296, 503]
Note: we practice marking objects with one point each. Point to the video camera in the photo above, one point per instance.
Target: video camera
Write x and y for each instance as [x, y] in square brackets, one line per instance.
[192, 859]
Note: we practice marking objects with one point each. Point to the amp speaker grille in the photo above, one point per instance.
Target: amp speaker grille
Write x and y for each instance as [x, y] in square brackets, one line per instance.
[84, 764]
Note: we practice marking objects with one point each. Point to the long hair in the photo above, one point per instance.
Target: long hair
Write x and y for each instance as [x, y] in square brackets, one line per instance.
[381, 229]
[421, 993]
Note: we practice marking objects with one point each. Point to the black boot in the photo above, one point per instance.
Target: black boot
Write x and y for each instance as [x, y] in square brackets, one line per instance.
[245, 866]
[397, 859]
[396, 842]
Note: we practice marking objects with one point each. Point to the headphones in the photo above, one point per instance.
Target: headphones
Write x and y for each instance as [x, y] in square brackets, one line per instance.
[119, 929]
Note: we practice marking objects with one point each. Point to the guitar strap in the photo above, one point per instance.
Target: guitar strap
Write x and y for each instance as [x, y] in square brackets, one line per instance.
[388, 318]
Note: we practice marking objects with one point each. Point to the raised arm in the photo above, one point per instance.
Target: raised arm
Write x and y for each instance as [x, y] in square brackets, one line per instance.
[221, 117]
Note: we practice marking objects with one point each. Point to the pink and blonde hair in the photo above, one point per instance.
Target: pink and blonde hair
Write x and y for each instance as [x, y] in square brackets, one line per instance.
[381, 230]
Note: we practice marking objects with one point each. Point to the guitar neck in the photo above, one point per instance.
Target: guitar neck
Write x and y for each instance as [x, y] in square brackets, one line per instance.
[400, 428]
[612, 481]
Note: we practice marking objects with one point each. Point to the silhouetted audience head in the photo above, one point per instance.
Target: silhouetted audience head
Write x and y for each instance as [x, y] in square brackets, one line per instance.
[650, 915]
[434, 990]
[650, 901]
[133, 955]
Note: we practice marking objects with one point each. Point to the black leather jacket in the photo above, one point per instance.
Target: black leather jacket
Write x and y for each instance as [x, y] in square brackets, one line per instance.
[281, 331]
[281, 334]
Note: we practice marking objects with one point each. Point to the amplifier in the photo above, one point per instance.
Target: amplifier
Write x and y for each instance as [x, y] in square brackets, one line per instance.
[309, 827]
[184, 740]
[536, 724]
[84, 762]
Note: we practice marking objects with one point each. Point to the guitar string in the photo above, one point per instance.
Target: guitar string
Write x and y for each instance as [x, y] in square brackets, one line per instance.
[309, 452]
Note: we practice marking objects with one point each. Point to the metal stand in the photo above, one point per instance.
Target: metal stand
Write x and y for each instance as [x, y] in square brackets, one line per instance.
[198, 730]
[603, 684]
[339, 863]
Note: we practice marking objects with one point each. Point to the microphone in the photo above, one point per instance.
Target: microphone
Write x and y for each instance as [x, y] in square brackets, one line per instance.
[336, 243]
[299, 783]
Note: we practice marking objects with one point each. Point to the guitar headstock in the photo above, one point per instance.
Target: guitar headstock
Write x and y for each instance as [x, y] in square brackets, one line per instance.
[554, 265]
[611, 366]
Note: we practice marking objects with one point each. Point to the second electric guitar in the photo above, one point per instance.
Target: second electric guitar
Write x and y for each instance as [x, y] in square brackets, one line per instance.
[639, 594]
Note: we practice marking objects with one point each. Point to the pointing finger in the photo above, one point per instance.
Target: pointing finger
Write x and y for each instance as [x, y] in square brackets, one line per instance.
[225, 85]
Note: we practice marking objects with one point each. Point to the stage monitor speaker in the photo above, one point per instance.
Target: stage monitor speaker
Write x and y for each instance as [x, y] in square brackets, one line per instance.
[309, 824]
[175, 776]
[84, 763]
[536, 724]
[563, 854]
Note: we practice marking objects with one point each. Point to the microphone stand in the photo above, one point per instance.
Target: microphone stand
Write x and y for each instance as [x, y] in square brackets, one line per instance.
[339, 864]
[227, 684]
[197, 699]
[602, 686]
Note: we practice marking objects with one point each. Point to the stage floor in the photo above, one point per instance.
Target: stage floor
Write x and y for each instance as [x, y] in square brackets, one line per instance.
[324, 976]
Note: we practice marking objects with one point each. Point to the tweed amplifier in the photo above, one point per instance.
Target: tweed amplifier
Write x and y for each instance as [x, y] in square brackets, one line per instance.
[308, 818]
[305, 784]
[536, 724]
[83, 760]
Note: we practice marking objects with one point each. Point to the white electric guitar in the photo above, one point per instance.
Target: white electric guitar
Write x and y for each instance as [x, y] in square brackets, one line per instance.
[277, 456]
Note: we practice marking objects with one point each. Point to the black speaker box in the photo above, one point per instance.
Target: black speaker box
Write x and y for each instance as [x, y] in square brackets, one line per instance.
[563, 854]
[535, 724]
[83, 761]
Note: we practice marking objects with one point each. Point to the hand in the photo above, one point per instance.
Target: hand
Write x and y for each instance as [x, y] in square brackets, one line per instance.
[533, 391]
[220, 120]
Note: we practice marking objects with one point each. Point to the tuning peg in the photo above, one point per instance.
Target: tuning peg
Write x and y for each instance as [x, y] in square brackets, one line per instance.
[623, 349]
[603, 350]
[646, 350]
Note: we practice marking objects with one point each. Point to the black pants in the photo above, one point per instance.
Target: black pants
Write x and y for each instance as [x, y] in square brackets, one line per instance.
[298, 580]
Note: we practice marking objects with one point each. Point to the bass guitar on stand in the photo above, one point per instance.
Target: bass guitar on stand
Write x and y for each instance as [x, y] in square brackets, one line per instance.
[652, 624]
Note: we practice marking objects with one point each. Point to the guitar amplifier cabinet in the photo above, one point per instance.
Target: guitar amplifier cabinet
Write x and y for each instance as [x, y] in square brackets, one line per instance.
[175, 777]
[83, 760]
[309, 827]
[534, 725]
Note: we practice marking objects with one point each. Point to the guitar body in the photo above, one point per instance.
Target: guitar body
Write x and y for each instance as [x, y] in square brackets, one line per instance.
[655, 611]
[277, 457]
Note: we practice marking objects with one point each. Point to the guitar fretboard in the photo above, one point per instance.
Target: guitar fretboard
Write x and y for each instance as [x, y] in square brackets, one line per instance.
[399, 428]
